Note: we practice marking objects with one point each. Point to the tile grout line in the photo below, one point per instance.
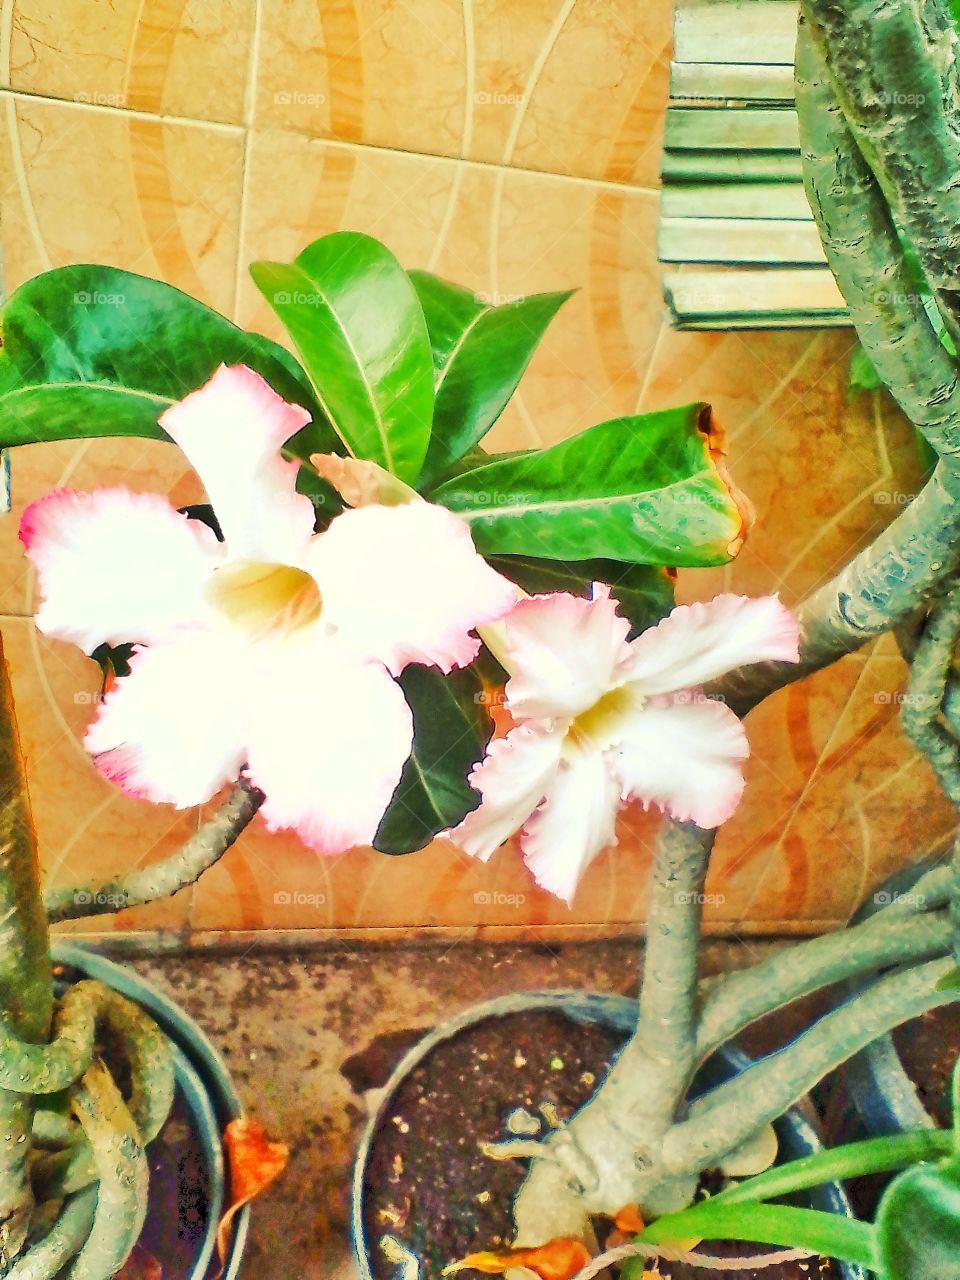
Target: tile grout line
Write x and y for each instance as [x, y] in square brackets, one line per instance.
[222, 126]
[249, 118]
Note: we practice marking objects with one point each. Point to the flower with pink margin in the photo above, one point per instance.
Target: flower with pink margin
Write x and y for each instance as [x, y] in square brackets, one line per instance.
[600, 721]
[273, 651]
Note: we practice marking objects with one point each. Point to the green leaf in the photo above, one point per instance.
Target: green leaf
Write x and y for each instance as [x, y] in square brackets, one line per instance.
[642, 490]
[450, 730]
[355, 319]
[862, 376]
[93, 351]
[950, 981]
[918, 1224]
[480, 352]
[644, 592]
[778, 1224]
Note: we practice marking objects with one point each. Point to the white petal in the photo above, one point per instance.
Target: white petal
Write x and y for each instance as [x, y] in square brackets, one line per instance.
[172, 730]
[231, 430]
[565, 652]
[577, 820]
[512, 780]
[684, 756]
[329, 737]
[698, 642]
[404, 584]
[116, 566]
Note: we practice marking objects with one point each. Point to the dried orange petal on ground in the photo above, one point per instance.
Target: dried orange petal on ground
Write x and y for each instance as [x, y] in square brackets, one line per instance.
[253, 1162]
[558, 1259]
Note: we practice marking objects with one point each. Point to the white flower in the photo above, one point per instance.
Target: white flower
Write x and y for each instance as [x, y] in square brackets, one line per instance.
[274, 650]
[600, 721]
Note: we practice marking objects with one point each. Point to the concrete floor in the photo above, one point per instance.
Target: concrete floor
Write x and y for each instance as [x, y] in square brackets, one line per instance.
[288, 1024]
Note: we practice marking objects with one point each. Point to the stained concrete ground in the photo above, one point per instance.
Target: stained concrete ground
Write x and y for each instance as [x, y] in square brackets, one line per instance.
[305, 1036]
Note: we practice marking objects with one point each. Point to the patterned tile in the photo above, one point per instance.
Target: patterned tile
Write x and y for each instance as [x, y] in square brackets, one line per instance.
[174, 57]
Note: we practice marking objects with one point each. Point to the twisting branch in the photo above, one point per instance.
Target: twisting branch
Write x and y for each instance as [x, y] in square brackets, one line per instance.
[724, 1118]
[894, 72]
[733, 1002]
[169, 876]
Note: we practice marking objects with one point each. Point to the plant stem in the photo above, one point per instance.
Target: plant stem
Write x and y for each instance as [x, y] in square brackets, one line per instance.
[661, 1051]
[893, 68]
[26, 991]
[735, 1001]
[881, 585]
[167, 877]
[865, 254]
[724, 1118]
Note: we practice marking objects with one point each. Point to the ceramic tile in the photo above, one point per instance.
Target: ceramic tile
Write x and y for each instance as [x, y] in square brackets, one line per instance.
[572, 88]
[178, 57]
[83, 185]
[87, 830]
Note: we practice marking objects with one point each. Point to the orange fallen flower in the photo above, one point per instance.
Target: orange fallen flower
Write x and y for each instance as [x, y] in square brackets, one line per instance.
[253, 1162]
[558, 1259]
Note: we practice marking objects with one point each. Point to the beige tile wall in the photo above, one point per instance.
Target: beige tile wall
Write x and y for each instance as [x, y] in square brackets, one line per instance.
[512, 146]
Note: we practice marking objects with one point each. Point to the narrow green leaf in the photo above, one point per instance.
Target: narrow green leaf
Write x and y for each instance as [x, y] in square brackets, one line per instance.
[642, 490]
[644, 592]
[450, 730]
[354, 317]
[94, 351]
[777, 1224]
[480, 352]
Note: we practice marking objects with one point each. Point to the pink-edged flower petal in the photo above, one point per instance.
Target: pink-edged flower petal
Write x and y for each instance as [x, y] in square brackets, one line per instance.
[172, 730]
[405, 584]
[684, 755]
[231, 431]
[565, 652]
[699, 642]
[329, 737]
[116, 566]
[512, 779]
[577, 820]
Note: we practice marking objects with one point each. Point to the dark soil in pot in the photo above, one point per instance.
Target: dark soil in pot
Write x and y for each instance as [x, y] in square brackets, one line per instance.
[429, 1186]
[929, 1047]
[179, 1196]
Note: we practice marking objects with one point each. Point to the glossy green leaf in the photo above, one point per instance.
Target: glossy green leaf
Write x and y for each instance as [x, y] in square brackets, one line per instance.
[355, 319]
[644, 592]
[451, 727]
[480, 352]
[918, 1224]
[642, 490]
[93, 351]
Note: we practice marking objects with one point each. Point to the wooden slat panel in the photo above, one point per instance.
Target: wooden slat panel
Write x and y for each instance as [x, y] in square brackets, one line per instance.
[731, 166]
[736, 200]
[731, 82]
[721, 299]
[731, 129]
[739, 240]
[735, 31]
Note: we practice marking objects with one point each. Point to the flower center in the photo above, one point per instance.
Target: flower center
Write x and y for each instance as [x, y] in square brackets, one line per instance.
[598, 727]
[260, 597]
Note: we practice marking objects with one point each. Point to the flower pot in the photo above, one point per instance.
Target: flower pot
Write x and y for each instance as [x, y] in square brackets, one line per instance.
[885, 1096]
[614, 1013]
[203, 1084]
